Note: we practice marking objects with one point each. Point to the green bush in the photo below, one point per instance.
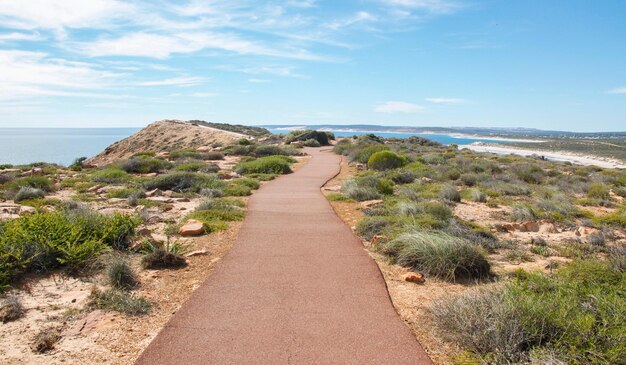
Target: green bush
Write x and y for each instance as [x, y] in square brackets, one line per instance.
[363, 153]
[251, 183]
[45, 241]
[312, 143]
[384, 186]
[183, 182]
[197, 166]
[369, 227]
[438, 254]
[359, 193]
[385, 160]
[577, 314]
[450, 194]
[26, 193]
[599, 191]
[110, 176]
[166, 255]
[36, 182]
[236, 190]
[144, 165]
[266, 165]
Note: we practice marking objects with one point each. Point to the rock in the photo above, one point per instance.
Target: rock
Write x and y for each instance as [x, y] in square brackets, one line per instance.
[204, 149]
[361, 167]
[332, 188]
[224, 175]
[414, 277]
[94, 188]
[48, 208]
[35, 171]
[191, 228]
[151, 174]
[27, 210]
[371, 203]
[529, 227]
[168, 193]
[116, 200]
[158, 238]
[155, 192]
[426, 179]
[197, 253]
[163, 154]
[548, 228]
[97, 320]
[585, 231]
[143, 232]
[87, 165]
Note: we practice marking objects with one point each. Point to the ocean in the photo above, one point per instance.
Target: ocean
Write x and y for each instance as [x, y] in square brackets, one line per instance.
[441, 138]
[56, 145]
[64, 145]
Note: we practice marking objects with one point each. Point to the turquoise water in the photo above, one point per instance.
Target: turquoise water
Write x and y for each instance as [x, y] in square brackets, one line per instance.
[56, 145]
[441, 138]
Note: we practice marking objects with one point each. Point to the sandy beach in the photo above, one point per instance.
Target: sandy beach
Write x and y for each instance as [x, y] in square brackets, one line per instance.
[572, 157]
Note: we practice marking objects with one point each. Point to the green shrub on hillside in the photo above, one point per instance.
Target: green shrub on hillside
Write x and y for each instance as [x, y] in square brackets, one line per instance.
[144, 165]
[111, 176]
[26, 193]
[183, 182]
[44, 241]
[574, 316]
[363, 153]
[385, 160]
[266, 165]
[438, 254]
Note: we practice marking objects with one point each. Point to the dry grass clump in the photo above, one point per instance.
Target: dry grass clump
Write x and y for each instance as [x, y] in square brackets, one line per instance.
[121, 275]
[45, 340]
[120, 301]
[164, 256]
[10, 309]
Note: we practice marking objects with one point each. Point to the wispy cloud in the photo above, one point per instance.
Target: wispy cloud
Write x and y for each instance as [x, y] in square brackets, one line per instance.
[259, 81]
[434, 6]
[449, 101]
[617, 90]
[174, 81]
[20, 36]
[398, 107]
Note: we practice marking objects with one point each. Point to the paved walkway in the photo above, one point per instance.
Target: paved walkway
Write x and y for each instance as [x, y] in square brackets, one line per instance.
[296, 288]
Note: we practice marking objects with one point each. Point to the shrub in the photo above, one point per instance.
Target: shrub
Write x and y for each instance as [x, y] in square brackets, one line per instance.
[304, 135]
[183, 182]
[450, 194]
[251, 183]
[477, 196]
[110, 176]
[144, 165]
[45, 241]
[120, 301]
[10, 309]
[45, 340]
[212, 192]
[529, 173]
[369, 227]
[26, 193]
[363, 154]
[266, 165]
[164, 256]
[213, 156]
[77, 165]
[244, 142]
[354, 191]
[385, 160]
[469, 179]
[384, 186]
[122, 276]
[312, 143]
[197, 166]
[404, 177]
[599, 191]
[521, 213]
[438, 254]
[236, 190]
[36, 182]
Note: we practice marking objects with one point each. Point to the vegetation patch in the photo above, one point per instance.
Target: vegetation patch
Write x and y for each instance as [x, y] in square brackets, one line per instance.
[266, 165]
[120, 301]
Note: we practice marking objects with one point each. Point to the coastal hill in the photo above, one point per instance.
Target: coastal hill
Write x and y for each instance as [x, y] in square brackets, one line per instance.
[168, 135]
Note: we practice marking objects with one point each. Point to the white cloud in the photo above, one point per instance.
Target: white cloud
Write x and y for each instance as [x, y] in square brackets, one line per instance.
[618, 90]
[58, 15]
[163, 46]
[359, 17]
[398, 107]
[204, 95]
[19, 36]
[450, 101]
[259, 81]
[433, 6]
[174, 81]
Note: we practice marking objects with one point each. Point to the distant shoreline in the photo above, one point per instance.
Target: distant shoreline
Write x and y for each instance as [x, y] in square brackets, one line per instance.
[564, 156]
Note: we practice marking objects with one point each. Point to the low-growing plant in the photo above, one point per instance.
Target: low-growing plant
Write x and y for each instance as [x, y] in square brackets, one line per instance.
[358, 193]
[312, 143]
[599, 191]
[121, 275]
[163, 255]
[183, 182]
[144, 165]
[477, 196]
[266, 165]
[26, 193]
[438, 254]
[10, 309]
[120, 301]
[337, 197]
[45, 340]
[111, 176]
[385, 160]
[449, 194]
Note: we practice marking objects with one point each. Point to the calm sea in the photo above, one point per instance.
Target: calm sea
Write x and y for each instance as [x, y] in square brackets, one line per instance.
[64, 145]
[56, 145]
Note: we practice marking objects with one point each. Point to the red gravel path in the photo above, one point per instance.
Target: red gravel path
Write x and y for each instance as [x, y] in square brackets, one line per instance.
[296, 288]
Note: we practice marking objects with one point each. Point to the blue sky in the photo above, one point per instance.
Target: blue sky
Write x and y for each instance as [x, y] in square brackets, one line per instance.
[107, 63]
